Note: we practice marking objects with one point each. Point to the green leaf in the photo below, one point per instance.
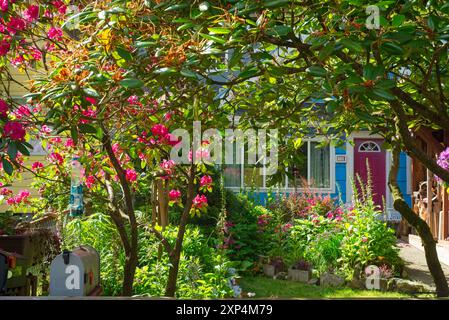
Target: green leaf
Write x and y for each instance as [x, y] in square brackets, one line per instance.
[131, 83]
[352, 45]
[74, 134]
[87, 128]
[382, 93]
[317, 71]
[275, 3]
[392, 48]
[23, 149]
[397, 20]
[279, 30]
[164, 71]
[12, 151]
[7, 166]
[213, 38]
[185, 26]
[219, 30]
[176, 7]
[248, 72]
[91, 92]
[124, 54]
[190, 74]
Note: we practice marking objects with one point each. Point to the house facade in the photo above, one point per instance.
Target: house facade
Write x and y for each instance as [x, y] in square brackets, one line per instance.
[329, 171]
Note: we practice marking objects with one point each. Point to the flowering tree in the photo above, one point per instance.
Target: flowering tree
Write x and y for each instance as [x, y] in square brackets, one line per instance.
[115, 88]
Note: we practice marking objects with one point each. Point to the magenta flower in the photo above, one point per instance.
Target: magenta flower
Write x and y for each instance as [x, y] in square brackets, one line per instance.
[16, 24]
[443, 161]
[4, 108]
[56, 157]
[36, 166]
[90, 181]
[31, 13]
[131, 175]
[4, 4]
[55, 34]
[4, 48]
[199, 201]
[174, 195]
[205, 181]
[69, 143]
[14, 130]
[133, 100]
[159, 130]
[62, 8]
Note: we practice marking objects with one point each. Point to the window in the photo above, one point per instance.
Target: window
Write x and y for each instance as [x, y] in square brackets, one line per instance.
[369, 146]
[316, 169]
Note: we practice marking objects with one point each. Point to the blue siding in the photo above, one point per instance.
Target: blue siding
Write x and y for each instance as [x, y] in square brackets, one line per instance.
[340, 176]
[402, 178]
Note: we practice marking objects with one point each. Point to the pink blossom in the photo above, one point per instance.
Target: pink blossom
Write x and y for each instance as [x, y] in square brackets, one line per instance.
[5, 192]
[133, 100]
[14, 130]
[57, 158]
[36, 166]
[69, 143]
[4, 108]
[286, 227]
[364, 239]
[62, 8]
[16, 24]
[90, 180]
[19, 198]
[36, 53]
[31, 13]
[91, 100]
[167, 166]
[55, 33]
[159, 130]
[45, 129]
[22, 111]
[174, 195]
[205, 181]
[131, 175]
[4, 4]
[167, 116]
[199, 201]
[4, 47]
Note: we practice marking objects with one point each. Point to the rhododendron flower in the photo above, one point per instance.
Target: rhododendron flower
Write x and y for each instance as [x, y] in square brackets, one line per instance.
[16, 24]
[159, 130]
[167, 166]
[90, 180]
[22, 111]
[133, 100]
[91, 100]
[131, 175]
[174, 195]
[4, 4]
[4, 108]
[62, 8]
[443, 161]
[5, 192]
[199, 202]
[45, 129]
[19, 198]
[36, 166]
[4, 48]
[36, 53]
[69, 143]
[31, 13]
[206, 183]
[14, 130]
[56, 158]
[55, 34]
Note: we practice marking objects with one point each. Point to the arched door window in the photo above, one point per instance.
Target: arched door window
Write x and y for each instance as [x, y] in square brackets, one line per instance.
[369, 146]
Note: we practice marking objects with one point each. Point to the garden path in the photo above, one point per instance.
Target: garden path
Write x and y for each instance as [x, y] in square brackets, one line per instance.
[415, 264]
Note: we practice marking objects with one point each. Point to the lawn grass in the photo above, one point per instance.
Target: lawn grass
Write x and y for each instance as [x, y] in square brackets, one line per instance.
[270, 288]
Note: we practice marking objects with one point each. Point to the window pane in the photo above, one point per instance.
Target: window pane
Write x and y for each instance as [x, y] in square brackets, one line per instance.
[319, 166]
[232, 176]
[299, 169]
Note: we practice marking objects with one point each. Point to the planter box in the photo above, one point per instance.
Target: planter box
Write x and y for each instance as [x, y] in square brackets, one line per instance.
[299, 275]
[269, 270]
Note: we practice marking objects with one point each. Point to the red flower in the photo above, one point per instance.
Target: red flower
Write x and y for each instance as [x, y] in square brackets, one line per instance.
[4, 108]
[205, 181]
[31, 13]
[36, 166]
[56, 34]
[14, 130]
[131, 175]
[4, 48]
[56, 158]
[90, 180]
[15, 25]
[159, 130]
[199, 201]
[174, 195]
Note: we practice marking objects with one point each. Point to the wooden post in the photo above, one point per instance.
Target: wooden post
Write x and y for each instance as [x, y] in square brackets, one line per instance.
[430, 217]
[445, 214]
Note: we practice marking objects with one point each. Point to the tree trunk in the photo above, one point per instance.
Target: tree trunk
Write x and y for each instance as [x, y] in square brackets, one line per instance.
[170, 289]
[421, 227]
[129, 272]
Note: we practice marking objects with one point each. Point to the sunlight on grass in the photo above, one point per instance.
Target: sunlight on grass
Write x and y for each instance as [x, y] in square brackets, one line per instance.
[270, 288]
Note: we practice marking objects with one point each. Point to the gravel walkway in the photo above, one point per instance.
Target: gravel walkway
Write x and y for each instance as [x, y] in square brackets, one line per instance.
[415, 264]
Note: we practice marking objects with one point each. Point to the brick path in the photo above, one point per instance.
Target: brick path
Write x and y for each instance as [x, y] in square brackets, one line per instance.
[415, 264]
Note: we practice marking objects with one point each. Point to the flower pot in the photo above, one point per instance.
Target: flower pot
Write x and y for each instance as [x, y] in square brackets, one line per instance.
[269, 270]
[299, 275]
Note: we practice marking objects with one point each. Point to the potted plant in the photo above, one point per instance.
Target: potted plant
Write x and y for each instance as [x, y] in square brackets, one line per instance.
[274, 266]
[300, 271]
